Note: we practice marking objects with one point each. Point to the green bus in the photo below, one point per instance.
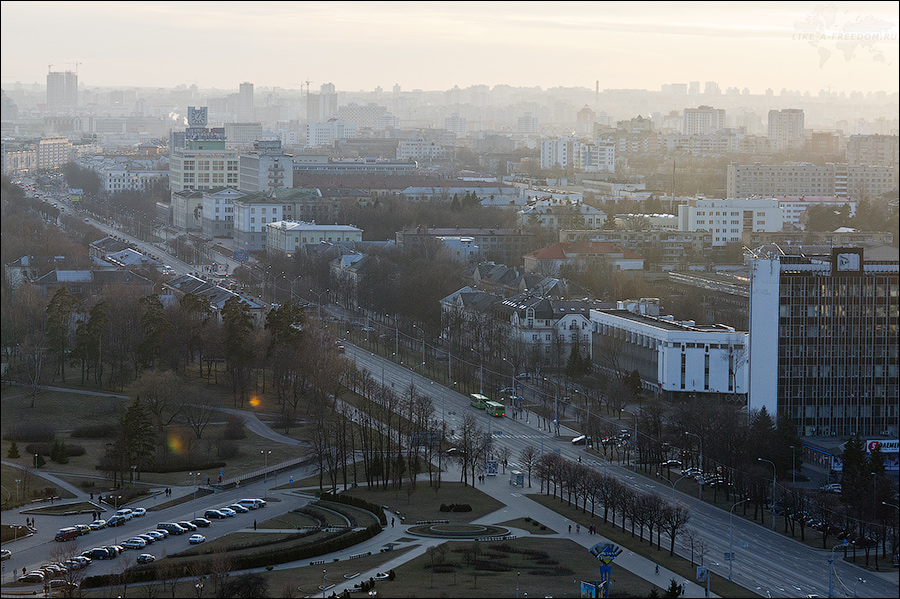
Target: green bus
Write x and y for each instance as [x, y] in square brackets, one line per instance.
[495, 408]
[479, 401]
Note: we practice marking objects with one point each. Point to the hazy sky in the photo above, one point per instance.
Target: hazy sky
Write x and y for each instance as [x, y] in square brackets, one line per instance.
[847, 46]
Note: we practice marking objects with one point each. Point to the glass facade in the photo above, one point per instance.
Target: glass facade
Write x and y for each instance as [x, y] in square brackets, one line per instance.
[838, 351]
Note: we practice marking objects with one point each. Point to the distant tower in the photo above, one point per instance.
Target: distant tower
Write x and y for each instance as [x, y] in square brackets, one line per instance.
[62, 90]
[327, 101]
[245, 102]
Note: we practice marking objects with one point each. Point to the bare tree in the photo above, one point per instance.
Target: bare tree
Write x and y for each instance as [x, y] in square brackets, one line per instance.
[673, 521]
[528, 456]
[197, 415]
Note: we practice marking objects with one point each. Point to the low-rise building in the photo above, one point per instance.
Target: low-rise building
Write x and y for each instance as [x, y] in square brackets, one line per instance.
[548, 260]
[288, 236]
[674, 358]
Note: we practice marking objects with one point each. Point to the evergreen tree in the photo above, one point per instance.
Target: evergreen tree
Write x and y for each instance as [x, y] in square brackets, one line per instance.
[13, 451]
[854, 474]
[674, 590]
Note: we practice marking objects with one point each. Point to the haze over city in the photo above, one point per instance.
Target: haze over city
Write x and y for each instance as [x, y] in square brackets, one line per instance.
[805, 46]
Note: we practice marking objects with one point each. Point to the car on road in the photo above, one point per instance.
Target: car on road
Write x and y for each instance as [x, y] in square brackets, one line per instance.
[253, 504]
[229, 513]
[5, 554]
[162, 533]
[382, 576]
[126, 513]
[201, 522]
[670, 464]
[196, 539]
[146, 558]
[83, 528]
[97, 525]
[171, 528]
[134, 543]
[138, 512]
[150, 537]
[214, 514]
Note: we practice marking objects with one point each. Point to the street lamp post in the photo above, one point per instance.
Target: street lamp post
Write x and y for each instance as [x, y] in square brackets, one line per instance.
[731, 536]
[18, 480]
[555, 406]
[265, 469]
[700, 481]
[633, 441]
[133, 468]
[773, 488]
[323, 584]
[319, 302]
[673, 486]
[831, 568]
[423, 346]
[517, 584]
[793, 466]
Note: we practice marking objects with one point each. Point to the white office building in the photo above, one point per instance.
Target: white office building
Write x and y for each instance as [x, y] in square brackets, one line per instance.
[568, 152]
[672, 357]
[217, 214]
[287, 236]
[728, 219]
[786, 129]
[419, 149]
[324, 134]
[251, 215]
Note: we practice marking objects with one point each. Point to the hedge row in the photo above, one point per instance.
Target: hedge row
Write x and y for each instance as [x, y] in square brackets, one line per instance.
[357, 502]
[456, 507]
[259, 560]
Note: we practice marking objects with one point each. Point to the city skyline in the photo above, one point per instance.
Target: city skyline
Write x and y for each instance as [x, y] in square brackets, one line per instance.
[839, 46]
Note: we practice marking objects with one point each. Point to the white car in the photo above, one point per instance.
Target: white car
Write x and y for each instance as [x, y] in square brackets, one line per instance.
[125, 513]
[97, 525]
[134, 543]
[228, 512]
[196, 539]
[138, 512]
[146, 558]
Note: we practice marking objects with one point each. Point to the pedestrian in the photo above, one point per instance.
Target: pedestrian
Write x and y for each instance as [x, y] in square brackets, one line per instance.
[392, 522]
[570, 529]
[578, 528]
[254, 525]
[657, 569]
[92, 496]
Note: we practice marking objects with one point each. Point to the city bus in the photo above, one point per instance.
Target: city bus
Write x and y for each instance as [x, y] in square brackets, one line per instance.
[479, 401]
[495, 408]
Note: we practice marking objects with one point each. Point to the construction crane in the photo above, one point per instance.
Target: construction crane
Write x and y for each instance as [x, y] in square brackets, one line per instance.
[76, 65]
[49, 68]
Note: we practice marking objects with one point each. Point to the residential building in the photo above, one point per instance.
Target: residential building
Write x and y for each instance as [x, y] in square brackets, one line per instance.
[420, 149]
[504, 245]
[362, 116]
[288, 236]
[677, 359]
[839, 238]
[265, 168]
[571, 153]
[187, 207]
[880, 150]
[251, 215]
[728, 219]
[805, 179]
[678, 247]
[325, 134]
[824, 341]
[53, 152]
[703, 120]
[548, 260]
[786, 129]
[793, 208]
[322, 165]
[125, 178]
[242, 135]
[216, 296]
[91, 285]
[558, 214]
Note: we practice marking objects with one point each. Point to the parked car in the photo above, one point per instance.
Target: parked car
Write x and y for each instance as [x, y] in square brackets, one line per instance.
[831, 488]
[33, 576]
[138, 512]
[97, 525]
[96, 553]
[162, 532]
[83, 529]
[229, 513]
[196, 539]
[115, 521]
[201, 522]
[67, 534]
[214, 514]
[171, 528]
[253, 504]
[134, 543]
[83, 560]
[58, 584]
[126, 513]
[236, 507]
[150, 539]
[187, 526]
[5, 554]
[146, 558]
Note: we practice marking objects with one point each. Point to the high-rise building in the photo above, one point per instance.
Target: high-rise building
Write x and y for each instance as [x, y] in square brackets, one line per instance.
[244, 108]
[824, 341]
[703, 120]
[327, 101]
[786, 129]
[265, 168]
[62, 90]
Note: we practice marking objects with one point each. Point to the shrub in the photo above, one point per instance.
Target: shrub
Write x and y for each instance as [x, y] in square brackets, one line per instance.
[94, 431]
[456, 507]
[234, 428]
[228, 450]
[56, 450]
[35, 432]
[13, 451]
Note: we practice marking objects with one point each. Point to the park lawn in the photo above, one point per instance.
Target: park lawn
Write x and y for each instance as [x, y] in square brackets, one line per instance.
[58, 509]
[529, 524]
[558, 574]
[29, 482]
[289, 520]
[423, 502]
[684, 568]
